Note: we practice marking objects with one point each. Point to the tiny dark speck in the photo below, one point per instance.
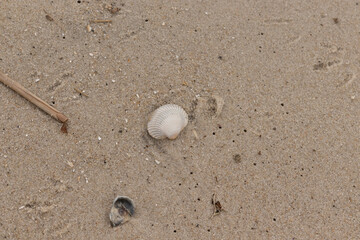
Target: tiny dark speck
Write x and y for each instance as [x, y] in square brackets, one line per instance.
[336, 20]
[220, 57]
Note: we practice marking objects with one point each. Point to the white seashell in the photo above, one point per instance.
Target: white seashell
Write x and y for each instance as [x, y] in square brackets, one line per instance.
[167, 121]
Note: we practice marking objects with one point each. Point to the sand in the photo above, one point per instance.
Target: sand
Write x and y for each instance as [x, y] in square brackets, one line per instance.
[281, 156]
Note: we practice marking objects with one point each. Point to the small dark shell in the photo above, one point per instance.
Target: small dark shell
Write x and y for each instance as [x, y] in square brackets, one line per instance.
[121, 211]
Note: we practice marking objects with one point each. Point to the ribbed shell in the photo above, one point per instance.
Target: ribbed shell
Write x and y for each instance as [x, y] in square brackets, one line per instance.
[167, 121]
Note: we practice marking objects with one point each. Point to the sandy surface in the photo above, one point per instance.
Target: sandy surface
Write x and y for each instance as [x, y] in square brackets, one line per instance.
[282, 156]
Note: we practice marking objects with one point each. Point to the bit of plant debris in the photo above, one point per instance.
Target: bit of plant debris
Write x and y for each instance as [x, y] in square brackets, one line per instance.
[64, 128]
[217, 208]
[101, 21]
[48, 17]
[81, 93]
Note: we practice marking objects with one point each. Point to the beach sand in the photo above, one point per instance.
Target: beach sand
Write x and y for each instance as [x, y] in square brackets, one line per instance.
[280, 153]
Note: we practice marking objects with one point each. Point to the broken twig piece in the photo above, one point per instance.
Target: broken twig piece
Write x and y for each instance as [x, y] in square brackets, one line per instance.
[81, 93]
[32, 98]
[64, 128]
[101, 21]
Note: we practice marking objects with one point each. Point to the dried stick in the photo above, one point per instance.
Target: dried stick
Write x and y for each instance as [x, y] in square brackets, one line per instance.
[101, 21]
[32, 98]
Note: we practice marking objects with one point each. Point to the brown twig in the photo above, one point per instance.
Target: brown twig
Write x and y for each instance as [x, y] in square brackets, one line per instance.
[80, 92]
[101, 21]
[32, 98]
